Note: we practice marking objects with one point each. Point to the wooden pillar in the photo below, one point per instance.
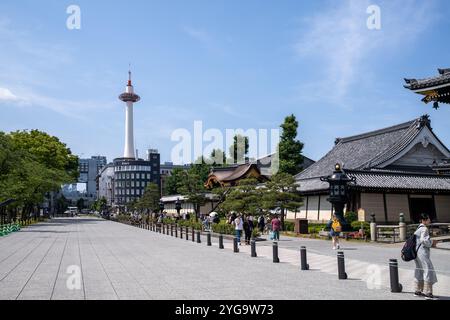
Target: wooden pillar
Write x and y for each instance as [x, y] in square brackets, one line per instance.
[385, 207]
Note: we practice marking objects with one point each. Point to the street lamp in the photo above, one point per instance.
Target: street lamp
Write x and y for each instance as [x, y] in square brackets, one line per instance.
[339, 192]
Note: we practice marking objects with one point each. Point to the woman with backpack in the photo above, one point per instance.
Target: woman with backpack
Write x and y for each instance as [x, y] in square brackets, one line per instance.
[335, 227]
[424, 272]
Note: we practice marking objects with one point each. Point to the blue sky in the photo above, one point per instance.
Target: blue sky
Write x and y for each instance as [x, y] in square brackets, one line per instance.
[231, 64]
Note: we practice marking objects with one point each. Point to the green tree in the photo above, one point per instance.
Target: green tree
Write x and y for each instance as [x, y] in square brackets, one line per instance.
[281, 193]
[218, 158]
[48, 150]
[239, 149]
[80, 204]
[289, 148]
[174, 182]
[150, 199]
[194, 190]
[244, 198]
[31, 165]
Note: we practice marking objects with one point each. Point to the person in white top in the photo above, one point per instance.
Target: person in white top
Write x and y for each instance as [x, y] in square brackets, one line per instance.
[238, 226]
[424, 273]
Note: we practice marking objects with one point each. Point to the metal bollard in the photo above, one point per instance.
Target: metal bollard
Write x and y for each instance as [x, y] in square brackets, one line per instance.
[208, 239]
[176, 231]
[171, 230]
[393, 270]
[181, 232]
[220, 241]
[198, 237]
[235, 245]
[187, 233]
[341, 266]
[193, 234]
[304, 264]
[275, 252]
[253, 248]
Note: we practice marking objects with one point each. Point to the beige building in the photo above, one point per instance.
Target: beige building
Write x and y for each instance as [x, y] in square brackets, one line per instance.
[400, 169]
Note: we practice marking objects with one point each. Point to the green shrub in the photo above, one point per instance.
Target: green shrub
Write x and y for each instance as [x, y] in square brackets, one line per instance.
[350, 217]
[223, 227]
[255, 233]
[316, 227]
[197, 225]
[289, 226]
[356, 225]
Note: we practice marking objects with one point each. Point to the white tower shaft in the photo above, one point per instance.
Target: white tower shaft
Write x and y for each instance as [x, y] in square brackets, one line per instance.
[129, 97]
[129, 138]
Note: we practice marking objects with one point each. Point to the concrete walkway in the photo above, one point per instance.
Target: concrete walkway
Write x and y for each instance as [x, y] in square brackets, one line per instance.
[89, 258]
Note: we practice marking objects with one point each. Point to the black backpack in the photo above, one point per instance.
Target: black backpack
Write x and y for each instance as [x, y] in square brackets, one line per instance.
[409, 251]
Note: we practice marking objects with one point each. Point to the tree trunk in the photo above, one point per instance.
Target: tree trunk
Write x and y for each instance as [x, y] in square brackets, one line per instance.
[282, 219]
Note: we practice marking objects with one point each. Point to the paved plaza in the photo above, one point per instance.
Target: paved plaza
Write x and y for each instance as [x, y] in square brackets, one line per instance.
[90, 258]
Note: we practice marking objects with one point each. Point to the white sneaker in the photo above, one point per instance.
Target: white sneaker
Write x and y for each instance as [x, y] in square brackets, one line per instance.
[334, 248]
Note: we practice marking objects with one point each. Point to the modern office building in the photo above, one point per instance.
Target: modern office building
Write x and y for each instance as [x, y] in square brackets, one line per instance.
[105, 184]
[132, 176]
[89, 169]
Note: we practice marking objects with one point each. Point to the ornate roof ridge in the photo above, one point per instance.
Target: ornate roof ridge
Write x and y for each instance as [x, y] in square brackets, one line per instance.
[397, 127]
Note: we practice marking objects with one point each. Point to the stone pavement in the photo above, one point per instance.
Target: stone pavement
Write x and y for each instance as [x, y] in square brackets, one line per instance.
[90, 258]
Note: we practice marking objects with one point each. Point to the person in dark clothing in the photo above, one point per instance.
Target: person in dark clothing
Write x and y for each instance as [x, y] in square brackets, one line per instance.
[248, 229]
[261, 224]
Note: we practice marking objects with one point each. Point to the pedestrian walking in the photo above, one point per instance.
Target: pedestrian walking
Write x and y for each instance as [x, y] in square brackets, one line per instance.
[335, 227]
[424, 274]
[248, 229]
[276, 226]
[261, 224]
[238, 226]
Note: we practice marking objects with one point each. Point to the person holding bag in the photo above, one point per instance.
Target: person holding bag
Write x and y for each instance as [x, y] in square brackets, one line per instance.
[424, 274]
[335, 227]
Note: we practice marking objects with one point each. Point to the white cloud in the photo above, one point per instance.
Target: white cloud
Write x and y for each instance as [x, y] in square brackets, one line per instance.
[7, 95]
[340, 47]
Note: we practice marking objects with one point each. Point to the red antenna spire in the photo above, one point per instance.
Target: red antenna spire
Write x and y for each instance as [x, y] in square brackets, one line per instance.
[129, 77]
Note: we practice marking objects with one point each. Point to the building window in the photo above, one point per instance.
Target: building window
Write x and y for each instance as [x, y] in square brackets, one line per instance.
[132, 183]
[148, 176]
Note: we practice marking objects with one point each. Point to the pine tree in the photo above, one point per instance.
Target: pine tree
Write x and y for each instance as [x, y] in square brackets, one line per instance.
[290, 149]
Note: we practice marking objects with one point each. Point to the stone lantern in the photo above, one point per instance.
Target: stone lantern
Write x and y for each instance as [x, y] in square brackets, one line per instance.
[339, 193]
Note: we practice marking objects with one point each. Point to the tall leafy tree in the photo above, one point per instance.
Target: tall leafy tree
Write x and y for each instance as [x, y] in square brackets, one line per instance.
[174, 182]
[150, 199]
[290, 149]
[281, 193]
[31, 165]
[239, 149]
[194, 190]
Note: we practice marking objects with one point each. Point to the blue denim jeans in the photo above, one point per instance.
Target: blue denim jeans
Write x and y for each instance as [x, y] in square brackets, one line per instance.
[276, 235]
[238, 235]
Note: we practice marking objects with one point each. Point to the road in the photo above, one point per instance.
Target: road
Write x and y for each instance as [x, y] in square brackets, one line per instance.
[90, 258]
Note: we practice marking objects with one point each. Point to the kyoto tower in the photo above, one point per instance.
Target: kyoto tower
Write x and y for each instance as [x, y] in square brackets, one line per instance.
[129, 97]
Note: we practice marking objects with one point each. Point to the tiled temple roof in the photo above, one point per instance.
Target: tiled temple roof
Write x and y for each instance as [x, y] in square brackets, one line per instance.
[363, 155]
[416, 84]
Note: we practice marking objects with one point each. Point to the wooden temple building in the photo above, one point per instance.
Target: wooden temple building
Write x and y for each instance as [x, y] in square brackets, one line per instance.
[436, 89]
[400, 169]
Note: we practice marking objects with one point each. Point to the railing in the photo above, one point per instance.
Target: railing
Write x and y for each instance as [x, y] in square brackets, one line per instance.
[436, 229]
[389, 233]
